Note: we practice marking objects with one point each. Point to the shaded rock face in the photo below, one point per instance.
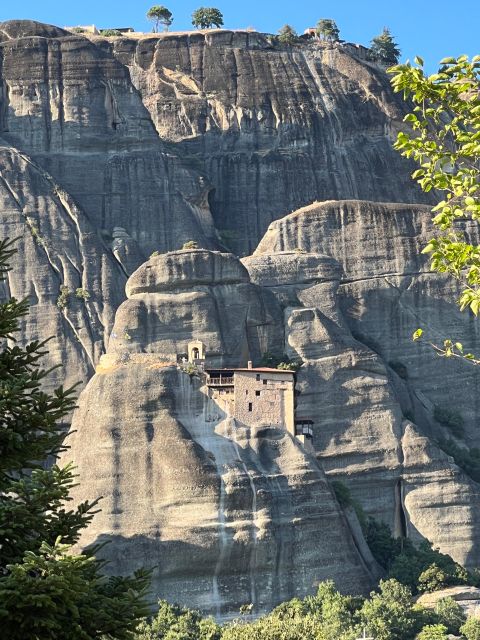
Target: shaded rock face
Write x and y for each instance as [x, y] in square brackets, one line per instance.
[204, 137]
[373, 428]
[273, 127]
[72, 107]
[111, 150]
[57, 247]
[224, 513]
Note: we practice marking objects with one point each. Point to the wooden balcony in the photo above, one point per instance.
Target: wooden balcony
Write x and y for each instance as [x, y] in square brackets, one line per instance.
[222, 381]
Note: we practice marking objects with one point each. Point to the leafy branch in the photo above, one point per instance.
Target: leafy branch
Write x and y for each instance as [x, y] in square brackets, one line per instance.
[444, 140]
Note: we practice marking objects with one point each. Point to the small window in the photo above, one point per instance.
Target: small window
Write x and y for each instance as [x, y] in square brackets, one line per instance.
[258, 377]
[246, 392]
[250, 406]
[265, 381]
[257, 393]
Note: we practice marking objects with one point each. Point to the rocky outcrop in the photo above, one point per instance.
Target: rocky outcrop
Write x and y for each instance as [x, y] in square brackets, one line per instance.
[113, 150]
[225, 514]
[205, 137]
[373, 428]
[468, 598]
[62, 266]
[386, 292]
[273, 127]
[196, 292]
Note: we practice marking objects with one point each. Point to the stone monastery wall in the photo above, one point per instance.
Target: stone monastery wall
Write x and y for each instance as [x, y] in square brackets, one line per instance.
[264, 398]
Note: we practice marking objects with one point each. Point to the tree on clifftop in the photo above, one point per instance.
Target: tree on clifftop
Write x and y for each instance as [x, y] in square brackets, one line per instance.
[444, 139]
[287, 35]
[160, 15]
[327, 30]
[45, 591]
[384, 48]
[207, 17]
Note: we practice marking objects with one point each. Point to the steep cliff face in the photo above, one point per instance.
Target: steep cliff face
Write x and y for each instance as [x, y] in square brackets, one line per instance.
[62, 266]
[273, 127]
[111, 149]
[349, 316]
[204, 137]
[226, 514]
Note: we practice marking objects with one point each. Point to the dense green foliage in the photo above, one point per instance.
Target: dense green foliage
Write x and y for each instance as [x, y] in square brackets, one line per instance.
[451, 615]
[420, 568]
[433, 632]
[190, 244]
[327, 29]
[207, 17]
[279, 361]
[384, 49]
[172, 622]
[471, 629]
[388, 614]
[110, 32]
[159, 14]
[466, 459]
[444, 139]
[45, 592]
[287, 35]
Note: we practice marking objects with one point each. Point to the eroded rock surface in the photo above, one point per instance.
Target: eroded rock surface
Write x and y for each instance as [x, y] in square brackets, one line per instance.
[375, 429]
[113, 150]
[226, 514]
[273, 127]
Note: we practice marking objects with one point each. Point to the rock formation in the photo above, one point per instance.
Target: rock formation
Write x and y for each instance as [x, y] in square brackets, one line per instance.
[116, 149]
[354, 287]
[226, 514]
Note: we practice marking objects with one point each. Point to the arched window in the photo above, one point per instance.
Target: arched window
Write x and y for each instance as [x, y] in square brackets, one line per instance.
[195, 353]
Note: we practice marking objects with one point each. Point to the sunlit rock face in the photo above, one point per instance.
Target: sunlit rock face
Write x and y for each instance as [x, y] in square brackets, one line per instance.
[353, 287]
[273, 127]
[160, 140]
[224, 513]
[114, 150]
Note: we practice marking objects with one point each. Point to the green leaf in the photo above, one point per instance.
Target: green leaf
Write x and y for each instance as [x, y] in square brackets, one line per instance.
[417, 334]
[431, 246]
[418, 60]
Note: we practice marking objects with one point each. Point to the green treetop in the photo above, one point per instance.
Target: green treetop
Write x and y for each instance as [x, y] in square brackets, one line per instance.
[287, 35]
[207, 17]
[45, 591]
[384, 48]
[160, 15]
[327, 30]
[433, 632]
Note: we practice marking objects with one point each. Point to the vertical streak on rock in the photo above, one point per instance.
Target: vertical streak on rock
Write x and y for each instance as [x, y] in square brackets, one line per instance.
[217, 598]
[254, 527]
[3, 98]
[116, 437]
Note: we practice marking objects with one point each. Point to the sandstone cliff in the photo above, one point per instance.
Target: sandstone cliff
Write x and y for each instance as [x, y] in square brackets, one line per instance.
[112, 149]
[351, 301]
[226, 514]
[170, 138]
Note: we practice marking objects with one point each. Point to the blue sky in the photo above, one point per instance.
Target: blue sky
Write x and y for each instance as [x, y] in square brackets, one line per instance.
[430, 28]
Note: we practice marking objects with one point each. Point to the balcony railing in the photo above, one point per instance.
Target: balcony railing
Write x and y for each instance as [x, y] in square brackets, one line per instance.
[219, 382]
